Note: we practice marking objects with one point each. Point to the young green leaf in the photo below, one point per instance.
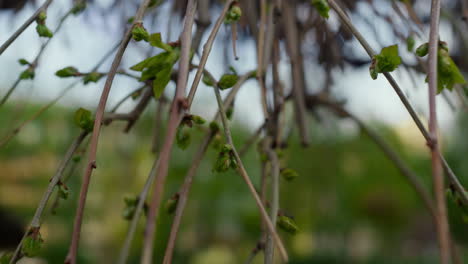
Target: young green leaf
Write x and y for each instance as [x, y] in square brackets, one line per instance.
[154, 3]
[198, 119]
[410, 42]
[387, 61]
[227, 81]
[448, 72]
[422, 50]
[139, 33]
[214, 127]
[83, 119]
[162, 79]
[27, 74]
[171, 204]
[32, 244]
[183, 137]
[44, 31]
[63, 191]
[230, 112]
[24, 62]
[287, 224]
[322, 7]
[76, 158]
[234, 14]
[92, 77]
[160, 59]
[225, 160]
[289, 174]
[131, 203]
[67, 72]
[79, 7]
[207, 80]
[41, 17]
[156, 41]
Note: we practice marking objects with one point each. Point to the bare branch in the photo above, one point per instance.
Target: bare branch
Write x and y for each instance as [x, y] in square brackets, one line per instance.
[443, 232]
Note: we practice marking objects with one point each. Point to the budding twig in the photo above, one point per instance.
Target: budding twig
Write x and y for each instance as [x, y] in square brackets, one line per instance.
[184, 190]
[71, 257]
[451, 176]
[245, 176]
[206, 52]
[36, 221]
[25, 25]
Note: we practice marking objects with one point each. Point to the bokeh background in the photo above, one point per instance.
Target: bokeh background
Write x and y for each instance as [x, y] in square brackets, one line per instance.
[350, 203]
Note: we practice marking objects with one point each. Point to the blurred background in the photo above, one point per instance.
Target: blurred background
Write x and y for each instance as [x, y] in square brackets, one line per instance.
[350, 203]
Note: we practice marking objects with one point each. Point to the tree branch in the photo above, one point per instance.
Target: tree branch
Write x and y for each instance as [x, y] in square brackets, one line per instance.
[184, 191]
[175, 117]
[443, 232]
[71, 257]
[245, 176]
[206, 52]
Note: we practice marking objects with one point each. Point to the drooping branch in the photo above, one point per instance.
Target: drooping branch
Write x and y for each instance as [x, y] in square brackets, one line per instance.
[294, 48]
[184, 190]
[241, 170]
[71, 257]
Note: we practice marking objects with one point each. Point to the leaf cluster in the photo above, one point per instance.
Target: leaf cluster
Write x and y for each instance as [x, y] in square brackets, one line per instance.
[387, 61]
[158, 68]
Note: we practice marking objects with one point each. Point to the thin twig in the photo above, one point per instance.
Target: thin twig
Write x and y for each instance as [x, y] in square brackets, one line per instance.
[391, 154]
[36, 221]
[34, 64]
[10, 91]
[245, 176]
[158, 126]
[206, 52]
[178, 104]
[260, 57]
[294, 49]
[15, 131]
[125, 98]
[24, 26]
[443, 232]
[184, 191]
[71, 257]
[250, 141]
[183, 196]
[452, 177]
[274, 201]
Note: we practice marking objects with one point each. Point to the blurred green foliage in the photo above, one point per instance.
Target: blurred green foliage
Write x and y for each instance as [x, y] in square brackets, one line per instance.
[350, 203]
